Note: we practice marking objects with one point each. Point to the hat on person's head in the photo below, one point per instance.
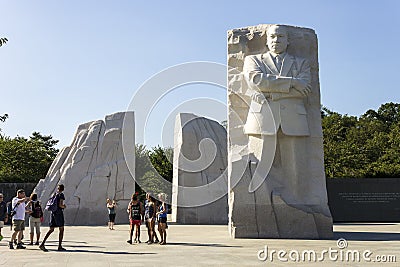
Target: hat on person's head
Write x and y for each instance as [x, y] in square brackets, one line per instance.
[20, 191]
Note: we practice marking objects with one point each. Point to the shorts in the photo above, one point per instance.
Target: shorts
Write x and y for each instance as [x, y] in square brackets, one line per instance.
[19, 225]
[1, 224]
[135, 222]
[162, 220]
[57, 219]
[112, 217]
[34, 223]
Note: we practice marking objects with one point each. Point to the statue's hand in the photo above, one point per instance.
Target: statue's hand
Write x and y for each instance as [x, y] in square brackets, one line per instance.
[301, 86]
[258, 97]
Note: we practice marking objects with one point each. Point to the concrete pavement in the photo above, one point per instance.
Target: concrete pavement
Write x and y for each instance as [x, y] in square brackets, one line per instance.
[209, 245]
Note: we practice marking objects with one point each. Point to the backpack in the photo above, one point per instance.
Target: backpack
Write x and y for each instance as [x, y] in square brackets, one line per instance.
[135, 211]
[10, 210]
[52, 203]
[36, 210]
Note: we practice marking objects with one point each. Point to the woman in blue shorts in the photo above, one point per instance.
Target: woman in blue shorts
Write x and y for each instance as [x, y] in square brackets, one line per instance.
[162, 218]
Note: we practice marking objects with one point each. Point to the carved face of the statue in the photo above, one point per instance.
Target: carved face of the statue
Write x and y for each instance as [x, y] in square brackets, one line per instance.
[277, 39]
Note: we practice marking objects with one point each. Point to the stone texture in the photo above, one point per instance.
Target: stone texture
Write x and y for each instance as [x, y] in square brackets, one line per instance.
[287, 204]
[93, 168]
[196, 166]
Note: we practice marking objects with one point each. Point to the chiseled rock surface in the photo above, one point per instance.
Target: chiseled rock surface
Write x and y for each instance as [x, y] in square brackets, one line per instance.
[93, 169]
[200, 162]
[283, 206]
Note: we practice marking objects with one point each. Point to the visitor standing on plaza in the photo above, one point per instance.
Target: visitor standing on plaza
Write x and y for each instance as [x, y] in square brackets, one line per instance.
[149, 213]
[135, 211]
[162, 218]
[18, 210]
[57, 219]
[35, 218]
[150, 217]
[111, 205]
[3, 213]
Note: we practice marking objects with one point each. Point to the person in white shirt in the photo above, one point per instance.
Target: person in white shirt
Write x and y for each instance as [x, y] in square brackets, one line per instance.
[19, 207]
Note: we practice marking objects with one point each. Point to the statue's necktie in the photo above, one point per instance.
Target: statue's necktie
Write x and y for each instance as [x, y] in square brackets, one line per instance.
[278, 62]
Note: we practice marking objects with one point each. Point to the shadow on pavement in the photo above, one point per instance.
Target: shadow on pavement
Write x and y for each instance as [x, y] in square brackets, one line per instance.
[201, 245]
[102, 252]
[367, 236]
[107, 252]
[364, 224]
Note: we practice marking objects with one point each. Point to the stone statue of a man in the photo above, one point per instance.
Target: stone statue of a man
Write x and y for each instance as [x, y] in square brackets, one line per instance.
[278, 84]
[276, 172]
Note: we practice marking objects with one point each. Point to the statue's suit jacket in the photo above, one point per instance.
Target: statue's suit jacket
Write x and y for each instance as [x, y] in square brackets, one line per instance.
[283, 105]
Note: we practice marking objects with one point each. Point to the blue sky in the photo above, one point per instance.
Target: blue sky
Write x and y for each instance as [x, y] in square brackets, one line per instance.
[69, 62]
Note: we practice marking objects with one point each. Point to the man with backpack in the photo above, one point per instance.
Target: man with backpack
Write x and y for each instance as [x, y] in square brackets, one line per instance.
[18, 216]
[35, 218]
[56, 206]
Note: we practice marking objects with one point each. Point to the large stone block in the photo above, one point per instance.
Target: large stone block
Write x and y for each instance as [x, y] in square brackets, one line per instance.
[275, 156]
[92, 169]
[200, 163]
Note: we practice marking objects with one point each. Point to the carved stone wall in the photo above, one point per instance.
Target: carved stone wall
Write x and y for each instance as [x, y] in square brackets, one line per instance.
[190, 131]
[264, 214]
[93, 169]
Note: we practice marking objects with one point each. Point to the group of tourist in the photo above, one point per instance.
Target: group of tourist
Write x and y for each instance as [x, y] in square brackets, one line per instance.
[151, 213]
[21, 205]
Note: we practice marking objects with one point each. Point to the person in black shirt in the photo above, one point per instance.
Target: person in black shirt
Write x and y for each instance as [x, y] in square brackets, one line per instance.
[57, 220]
[135, 210]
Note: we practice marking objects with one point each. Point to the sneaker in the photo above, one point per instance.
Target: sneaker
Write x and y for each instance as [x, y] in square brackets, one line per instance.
[10, 245]
[157, 241]
[16, 242]
[135, 241]
[42, 247]
[37, 243]
[30, 244]
[61, 249]
[20, 246]
[139, 241]
[129, 241]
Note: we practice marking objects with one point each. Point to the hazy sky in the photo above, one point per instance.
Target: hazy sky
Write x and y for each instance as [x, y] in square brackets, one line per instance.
[70, 62]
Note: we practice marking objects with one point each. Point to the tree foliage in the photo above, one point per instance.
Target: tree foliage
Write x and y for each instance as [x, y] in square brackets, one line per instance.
[161, 159]
[3, 118]
[26, 160]
[150, 165]
[3, 41]
[368, 146]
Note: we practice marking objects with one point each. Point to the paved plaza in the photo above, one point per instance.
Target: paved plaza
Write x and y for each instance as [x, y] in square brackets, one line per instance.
[209, 245]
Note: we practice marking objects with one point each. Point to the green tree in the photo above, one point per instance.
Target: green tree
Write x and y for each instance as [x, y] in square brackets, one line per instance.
[151, 166]
[26, 160]
[142, 166]
[367, 146]
[161, 159]
[3, 118]
[142, 160]
[150, 181]
[339, 155]
[3, 41]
